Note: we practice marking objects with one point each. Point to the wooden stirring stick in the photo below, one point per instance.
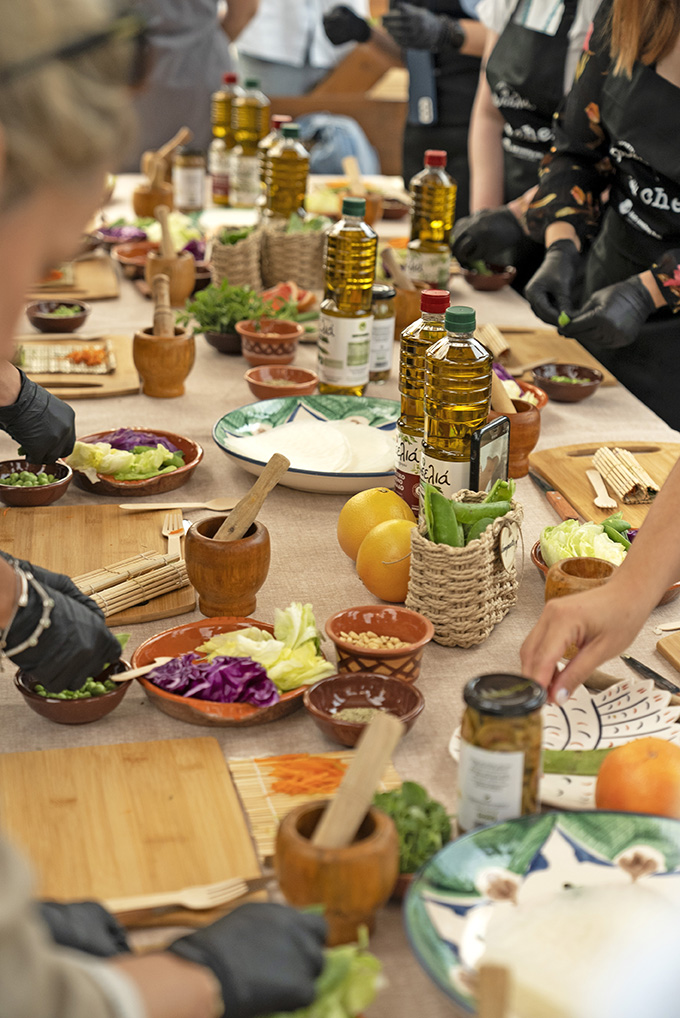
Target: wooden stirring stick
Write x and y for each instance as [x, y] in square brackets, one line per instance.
[500, 400]
[167, 246]
[494, 991]
[350, 166]
[397, 274]
[163, 315]
[242, 517]
[342, 819]
[136, 673]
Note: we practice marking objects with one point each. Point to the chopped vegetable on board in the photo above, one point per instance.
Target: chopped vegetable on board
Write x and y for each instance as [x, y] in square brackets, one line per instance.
[423, 825]
[304, 774]
[223, 679]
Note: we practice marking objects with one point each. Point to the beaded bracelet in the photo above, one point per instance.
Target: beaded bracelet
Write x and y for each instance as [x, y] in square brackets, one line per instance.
[25, 578]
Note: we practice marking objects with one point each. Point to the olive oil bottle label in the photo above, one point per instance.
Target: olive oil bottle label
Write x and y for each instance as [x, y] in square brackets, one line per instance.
[245, 180]
[446, 476]
[382, 342]
[407, 470]
[489, 786]
[429, 267]
[189, 187]
[344, 350]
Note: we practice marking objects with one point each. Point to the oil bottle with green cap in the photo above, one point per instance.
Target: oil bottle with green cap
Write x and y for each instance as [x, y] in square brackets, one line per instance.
[287, 169]
[457, 396]
[346, 319]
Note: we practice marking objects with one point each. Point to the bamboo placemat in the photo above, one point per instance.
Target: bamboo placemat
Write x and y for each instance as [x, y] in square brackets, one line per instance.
[265, 809]
[93, 279]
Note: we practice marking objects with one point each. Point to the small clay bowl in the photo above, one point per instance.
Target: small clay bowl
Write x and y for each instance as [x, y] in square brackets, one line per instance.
[498, 277]
[540, 396]
[163, 362]
[45, 494]
[108, 485]
[226, 574]
[132, 256]
[525, 427]
[360, 689]
[270, 381]
[74, 712]
[590, 380]
[269, 340]
[383, 620]
[225, 342]
[38, 314]
[394, 208]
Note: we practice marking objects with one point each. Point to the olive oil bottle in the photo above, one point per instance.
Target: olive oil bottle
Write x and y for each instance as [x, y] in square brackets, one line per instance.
[457, 396]
[433, 193]
[265, 144]
[220, 149]
[346, 319]
[286, 174]
[249, 123]
[416, 339]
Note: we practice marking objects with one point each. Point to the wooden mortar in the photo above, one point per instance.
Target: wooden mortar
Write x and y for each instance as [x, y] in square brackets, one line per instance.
[163, 355]
[179, 268]
[574, 575]
[351, 882]
[147, 196]
[226, 574]
[525, 427]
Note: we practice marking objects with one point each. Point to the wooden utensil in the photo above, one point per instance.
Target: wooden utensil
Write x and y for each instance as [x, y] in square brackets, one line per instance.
[340, 822]
[350, 167]
[165, 151]
[395, 271]
[494, 991]
[163, 315]
[602, 499]
[136, 673]
[181, 268]
[174, 531]
[152, 192]
[500, 400]
[167, 246]
[240, 519]
[195, 898]
[218, 505]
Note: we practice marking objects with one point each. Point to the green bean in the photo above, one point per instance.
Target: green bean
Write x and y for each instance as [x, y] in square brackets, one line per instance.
[617, 523]
[614, 535]
[478, 528]
[470, 512]
[446, 528]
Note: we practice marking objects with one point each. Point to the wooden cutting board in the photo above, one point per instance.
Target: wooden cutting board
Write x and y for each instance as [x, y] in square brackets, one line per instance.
[565, 468]
[134, 818]
[669, 647]
[528, 345]
[76, 539]
[124, 381]
[95, 278]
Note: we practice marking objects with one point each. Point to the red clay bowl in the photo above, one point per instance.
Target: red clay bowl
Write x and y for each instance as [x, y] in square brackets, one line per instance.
[383, 620]
[540, 395]
[269, 340]
[567, 392]
[74, 712]
[271, 381]
[360, 689]
[181, 640]
[132, 256]
[40, 317]
[107, 485]
[500, 276]
[46, 494]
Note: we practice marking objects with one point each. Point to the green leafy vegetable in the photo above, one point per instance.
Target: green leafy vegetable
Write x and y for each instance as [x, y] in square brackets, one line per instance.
[219, 308]
[308, 224]
[584, 762]
[481, 268]
[228, 237]
[63, 311]
[423, 825]
[502, 491]
[94, 458]
[571, 540]
[567, 378]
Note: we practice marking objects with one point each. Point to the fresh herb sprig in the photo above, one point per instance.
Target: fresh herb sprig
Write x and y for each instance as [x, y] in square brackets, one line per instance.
[219, 308]
[423, 825]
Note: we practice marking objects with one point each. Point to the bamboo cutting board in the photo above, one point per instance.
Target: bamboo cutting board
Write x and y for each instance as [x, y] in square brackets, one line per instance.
[94, 278]
[124, 381]
[565, 468]
[76, 539]
[136, 818]
[669, 647]
[529, 345]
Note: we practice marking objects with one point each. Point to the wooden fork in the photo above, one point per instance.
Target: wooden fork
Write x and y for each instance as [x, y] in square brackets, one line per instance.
[195, 898]
[174, 531]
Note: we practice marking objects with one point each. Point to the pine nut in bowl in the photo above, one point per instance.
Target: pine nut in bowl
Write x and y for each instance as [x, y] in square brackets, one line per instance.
[381, 639]
[342, 705]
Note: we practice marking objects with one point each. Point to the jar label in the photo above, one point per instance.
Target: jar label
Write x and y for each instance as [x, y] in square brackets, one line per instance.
[344, 348]
[446, 476]
[407, 470]
[245, 180]
[382, 342]
[433, 268]
[489, 786]
[189, 185]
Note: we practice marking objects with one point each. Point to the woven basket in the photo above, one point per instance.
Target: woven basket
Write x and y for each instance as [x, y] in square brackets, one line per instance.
[464, 592]
[239, 262]
[296, 256]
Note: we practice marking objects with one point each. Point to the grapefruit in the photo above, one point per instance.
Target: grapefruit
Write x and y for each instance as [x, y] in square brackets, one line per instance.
[384, 559]
[364, 511]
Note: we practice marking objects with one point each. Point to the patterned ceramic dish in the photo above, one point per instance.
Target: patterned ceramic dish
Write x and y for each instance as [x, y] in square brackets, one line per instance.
[255, 418]
[527, 860]
[632, 709]
[413, 629]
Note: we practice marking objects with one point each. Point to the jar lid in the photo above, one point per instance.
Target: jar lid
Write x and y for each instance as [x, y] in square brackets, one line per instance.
[383, 291]
[290, 130]
[435, 157]
[353, 206]
[460, 319]
[434, 302]
[504, 695]
[252, 82]
[230, 78]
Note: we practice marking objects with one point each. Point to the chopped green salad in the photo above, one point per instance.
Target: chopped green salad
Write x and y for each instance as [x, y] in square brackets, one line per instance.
[138, 464]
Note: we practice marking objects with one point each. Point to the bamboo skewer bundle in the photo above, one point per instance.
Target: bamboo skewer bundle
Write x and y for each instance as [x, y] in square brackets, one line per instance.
[147, 586]
[625, 476]
[110, 576]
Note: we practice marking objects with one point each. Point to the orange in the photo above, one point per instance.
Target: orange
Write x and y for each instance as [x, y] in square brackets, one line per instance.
[642, 776]
[364, 511]
[384, 559]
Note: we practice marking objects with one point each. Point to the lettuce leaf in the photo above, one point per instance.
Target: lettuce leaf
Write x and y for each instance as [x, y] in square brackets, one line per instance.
[571, 540]
[94, 458]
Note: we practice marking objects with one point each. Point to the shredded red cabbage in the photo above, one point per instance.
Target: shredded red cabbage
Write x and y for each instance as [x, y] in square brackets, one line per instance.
[125, 438]
[122, 234]
[196, 248]
[502, 373]
[224, 679]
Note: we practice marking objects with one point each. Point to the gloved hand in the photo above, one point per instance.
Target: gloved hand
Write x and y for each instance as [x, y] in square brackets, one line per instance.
[266, 957]
[77, 644]
[85, 926]
[39, 422]
[613, 316]
[416, 28]
[342, 24]
[486, 236]
[550, 289]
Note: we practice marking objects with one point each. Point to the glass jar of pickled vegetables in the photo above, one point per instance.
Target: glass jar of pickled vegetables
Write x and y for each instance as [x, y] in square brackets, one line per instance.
[500, 749]
[382, 336]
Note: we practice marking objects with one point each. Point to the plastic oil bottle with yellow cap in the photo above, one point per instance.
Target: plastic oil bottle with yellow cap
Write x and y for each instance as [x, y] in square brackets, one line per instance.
[265, 144]
[433, 194]
[286, 175]
[249, 122]
[346, 319]
[457, 396]
[220, 148]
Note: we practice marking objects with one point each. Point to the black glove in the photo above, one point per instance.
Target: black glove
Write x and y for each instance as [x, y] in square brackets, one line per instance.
[76, 645]
[613, 316]
[550, 289]
[415, 28]
[85, 926]
[487, 236]
[266, 957]
[39, 422]
[342, 24]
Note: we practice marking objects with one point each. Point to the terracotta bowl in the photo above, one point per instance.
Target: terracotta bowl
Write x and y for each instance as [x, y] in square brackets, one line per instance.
[181, 640]
[107, 485]
[269, 341]
[383, 620]
[360, 689]
[46, 494]
[500, 276]
[38, 314]
[74, 712]
[226, 574]
[590, 380]
[539, 394]
[271, 381]
[525, 427]
[225, 342]
[395, 208]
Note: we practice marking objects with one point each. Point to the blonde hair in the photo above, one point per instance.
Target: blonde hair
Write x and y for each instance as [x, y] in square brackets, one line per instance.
[66, 117]
[644, 30]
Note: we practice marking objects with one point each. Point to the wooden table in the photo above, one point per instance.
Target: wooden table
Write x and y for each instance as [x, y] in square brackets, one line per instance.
[307, 564]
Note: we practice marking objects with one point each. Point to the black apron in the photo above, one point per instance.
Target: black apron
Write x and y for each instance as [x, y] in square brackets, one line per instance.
[642, 118]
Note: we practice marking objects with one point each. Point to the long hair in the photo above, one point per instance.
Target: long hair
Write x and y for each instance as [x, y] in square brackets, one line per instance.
[644, 30]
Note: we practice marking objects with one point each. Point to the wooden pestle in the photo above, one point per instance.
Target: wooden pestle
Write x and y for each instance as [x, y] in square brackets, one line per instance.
[157, 174]
[391, 265]
[163, 315]
[244, 513]
[500, 400]
[350, 166]
[494, 991]
[165, 151]
[167, 246]
[342, 819]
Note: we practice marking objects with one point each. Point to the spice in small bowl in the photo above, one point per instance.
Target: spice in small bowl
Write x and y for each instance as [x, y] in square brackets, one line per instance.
[383, 639]
[57, 315]
[344, 704]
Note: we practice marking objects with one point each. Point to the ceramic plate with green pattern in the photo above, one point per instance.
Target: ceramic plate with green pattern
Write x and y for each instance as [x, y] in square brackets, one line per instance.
[526, 861]
[340, 444]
